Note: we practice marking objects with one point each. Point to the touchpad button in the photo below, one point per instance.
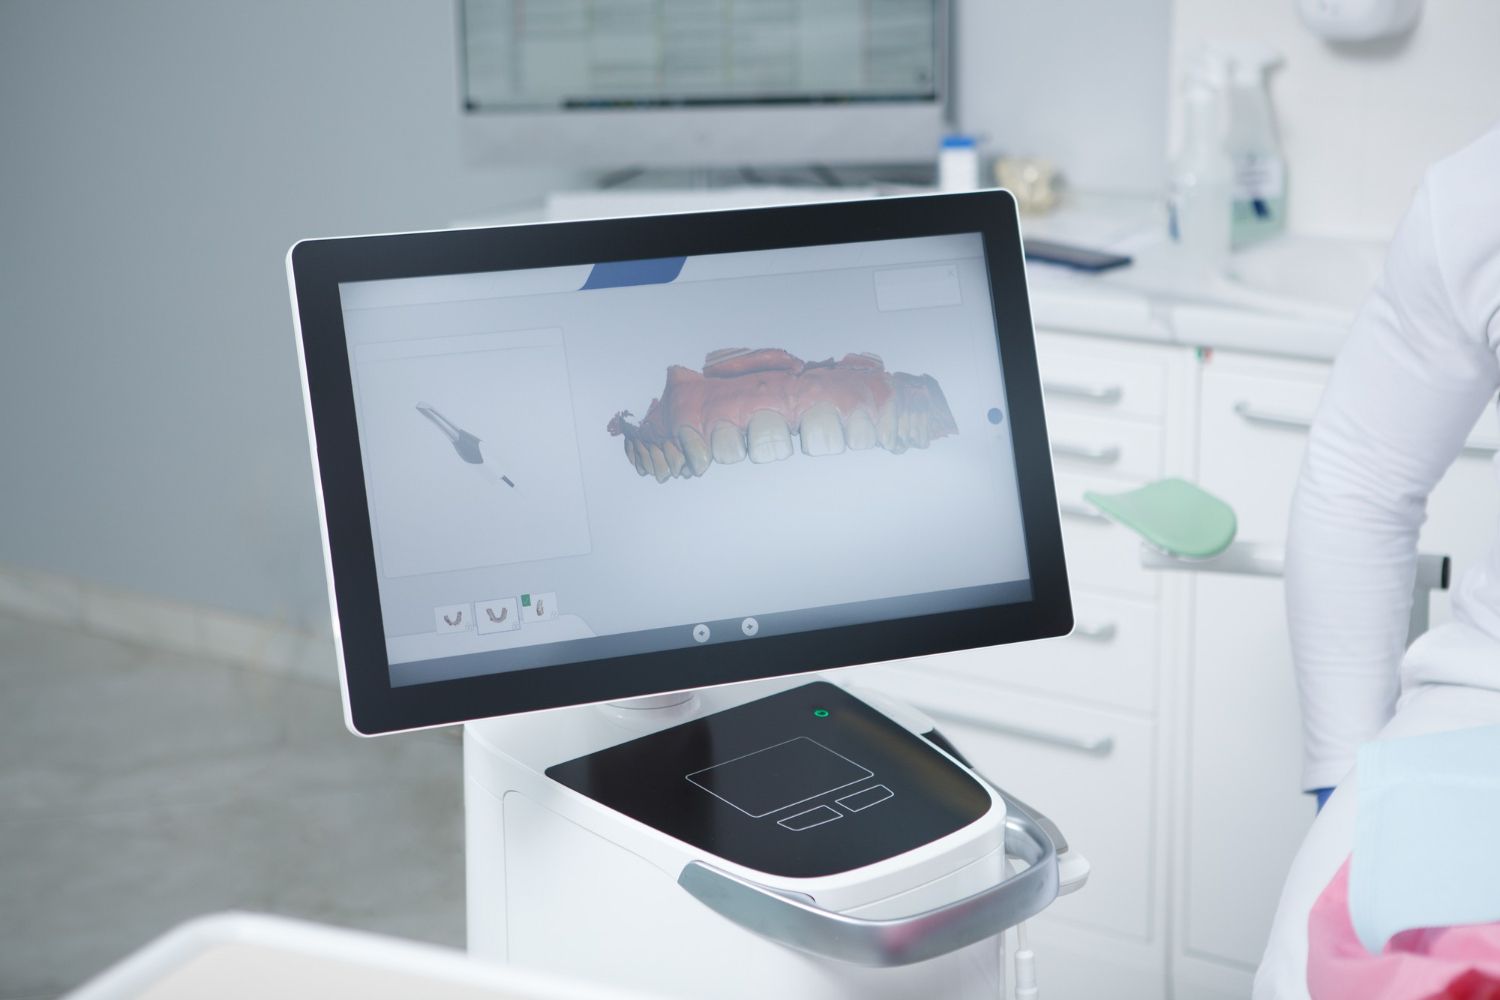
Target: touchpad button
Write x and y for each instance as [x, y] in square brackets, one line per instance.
[769, 780]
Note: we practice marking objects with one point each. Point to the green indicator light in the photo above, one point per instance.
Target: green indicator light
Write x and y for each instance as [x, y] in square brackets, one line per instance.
[821, 713]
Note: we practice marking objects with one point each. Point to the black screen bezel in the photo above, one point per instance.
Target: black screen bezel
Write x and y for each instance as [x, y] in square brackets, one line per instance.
[317, 267]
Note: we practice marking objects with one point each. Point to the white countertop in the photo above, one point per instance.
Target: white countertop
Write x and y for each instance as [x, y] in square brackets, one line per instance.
[1294, 296]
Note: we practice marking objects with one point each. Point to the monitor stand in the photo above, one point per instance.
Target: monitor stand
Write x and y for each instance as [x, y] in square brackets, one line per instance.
[653, 701]
[653, 712]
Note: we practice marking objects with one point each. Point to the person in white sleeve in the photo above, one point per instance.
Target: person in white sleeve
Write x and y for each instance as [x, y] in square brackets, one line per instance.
[1421, 364]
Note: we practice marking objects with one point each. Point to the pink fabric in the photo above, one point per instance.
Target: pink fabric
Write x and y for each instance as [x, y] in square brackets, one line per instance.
[1446, 963]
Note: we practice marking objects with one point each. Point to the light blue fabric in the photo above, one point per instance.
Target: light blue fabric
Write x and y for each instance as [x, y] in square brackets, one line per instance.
[1427, 834]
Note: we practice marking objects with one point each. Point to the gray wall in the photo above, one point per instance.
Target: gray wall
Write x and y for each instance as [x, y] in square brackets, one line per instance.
[156, 161]
[1080, 82]
[158, 157]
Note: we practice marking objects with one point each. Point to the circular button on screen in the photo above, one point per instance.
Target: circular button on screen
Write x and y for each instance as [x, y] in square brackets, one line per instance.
[700, 633]
[749, 626]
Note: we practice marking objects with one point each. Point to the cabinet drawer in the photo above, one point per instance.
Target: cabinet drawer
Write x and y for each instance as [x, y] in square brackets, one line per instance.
[1109, 659]
[1249, 412]
[1105, 446]
[1254, 436]
[1087, 376]
[1100, 553]
[1100, 799]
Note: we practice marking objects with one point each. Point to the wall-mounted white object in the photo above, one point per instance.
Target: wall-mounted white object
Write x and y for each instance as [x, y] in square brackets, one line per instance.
[1359, 20]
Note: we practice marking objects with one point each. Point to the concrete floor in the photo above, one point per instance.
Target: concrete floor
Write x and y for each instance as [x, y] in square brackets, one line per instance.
[139, 788]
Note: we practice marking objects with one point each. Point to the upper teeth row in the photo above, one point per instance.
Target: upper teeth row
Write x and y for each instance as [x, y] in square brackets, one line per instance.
[768, 438]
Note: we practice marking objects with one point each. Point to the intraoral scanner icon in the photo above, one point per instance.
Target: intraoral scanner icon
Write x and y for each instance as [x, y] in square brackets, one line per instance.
[466, 444]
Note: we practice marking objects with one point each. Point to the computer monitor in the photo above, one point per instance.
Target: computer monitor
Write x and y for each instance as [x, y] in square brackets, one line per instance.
[586, 461]
[667, 83]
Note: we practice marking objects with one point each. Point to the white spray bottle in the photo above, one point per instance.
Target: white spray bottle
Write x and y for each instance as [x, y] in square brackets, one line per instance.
[1259, 187]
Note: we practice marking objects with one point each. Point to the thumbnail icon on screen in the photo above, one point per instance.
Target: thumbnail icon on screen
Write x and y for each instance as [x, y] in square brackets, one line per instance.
[497, 615]
[451, 618]
[538, 607]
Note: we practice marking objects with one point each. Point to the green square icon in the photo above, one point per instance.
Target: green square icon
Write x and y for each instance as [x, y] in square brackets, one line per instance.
[525, 600]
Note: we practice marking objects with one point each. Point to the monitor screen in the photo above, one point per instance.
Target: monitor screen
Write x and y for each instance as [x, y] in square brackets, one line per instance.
[703, 83]
[600, 467]
[541, 54]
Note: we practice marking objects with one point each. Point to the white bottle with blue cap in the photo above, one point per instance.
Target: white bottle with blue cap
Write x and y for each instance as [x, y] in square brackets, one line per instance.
[958, 163]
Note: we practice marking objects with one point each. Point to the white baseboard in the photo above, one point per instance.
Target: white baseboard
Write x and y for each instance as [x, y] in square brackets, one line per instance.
[157, 622]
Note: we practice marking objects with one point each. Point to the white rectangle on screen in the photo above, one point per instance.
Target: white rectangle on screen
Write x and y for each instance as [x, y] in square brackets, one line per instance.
[917, 287]
[471, 451]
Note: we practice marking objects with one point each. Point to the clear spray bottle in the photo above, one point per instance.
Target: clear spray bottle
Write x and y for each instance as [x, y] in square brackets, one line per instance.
[1259, 192]
[1199, 210]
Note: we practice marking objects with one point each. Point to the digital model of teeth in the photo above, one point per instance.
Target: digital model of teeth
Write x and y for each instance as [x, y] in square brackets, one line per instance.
[751, 403]
[504, 613]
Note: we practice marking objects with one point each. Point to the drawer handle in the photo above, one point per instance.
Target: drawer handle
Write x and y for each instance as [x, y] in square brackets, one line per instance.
[1097, 746]
[1268, 418]
[1249, 413]
[1081, 512]
[1096, 633]
[1106, 394]
[1107, 455]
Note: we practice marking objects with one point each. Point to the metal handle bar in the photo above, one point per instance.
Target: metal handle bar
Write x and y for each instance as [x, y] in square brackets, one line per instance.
[897, 941]
[1241, 558]
[1259, 559]
[1433, 572]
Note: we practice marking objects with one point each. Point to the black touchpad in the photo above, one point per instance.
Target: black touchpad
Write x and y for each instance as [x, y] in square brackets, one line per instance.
[768, 780]
[807, 782]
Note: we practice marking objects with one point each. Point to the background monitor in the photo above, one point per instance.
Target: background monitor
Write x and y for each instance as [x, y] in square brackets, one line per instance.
[579, 462]
[655, 83]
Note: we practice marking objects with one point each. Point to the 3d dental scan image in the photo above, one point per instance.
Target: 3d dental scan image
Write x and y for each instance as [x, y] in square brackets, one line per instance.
[492, 408]
[749, 403]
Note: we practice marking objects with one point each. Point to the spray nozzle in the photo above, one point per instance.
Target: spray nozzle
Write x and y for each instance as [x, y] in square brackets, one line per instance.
[1245, 63]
